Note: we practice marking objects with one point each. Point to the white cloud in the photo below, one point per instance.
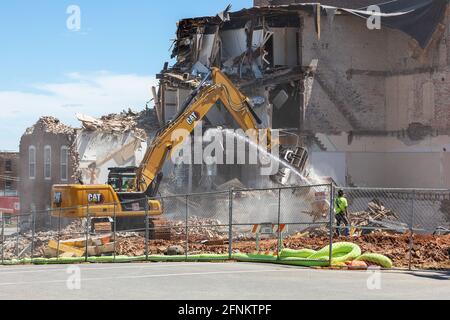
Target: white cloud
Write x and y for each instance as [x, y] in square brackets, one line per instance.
[95, 94]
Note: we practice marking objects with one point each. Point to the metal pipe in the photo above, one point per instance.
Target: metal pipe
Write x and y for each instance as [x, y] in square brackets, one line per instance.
[3, 239]
[115, 232]
[279, 225]
[146, 228]
[17, 238]
[33, 234]
[331, 222]
[59, 234]
[187, 228]
[411, 231]
[87, 233]
[230, 224]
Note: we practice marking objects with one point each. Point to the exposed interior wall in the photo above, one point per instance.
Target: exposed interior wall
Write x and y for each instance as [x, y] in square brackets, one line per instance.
[345, 142]
[395, 170]
[384, 170]
[99, 151]
[373, 79]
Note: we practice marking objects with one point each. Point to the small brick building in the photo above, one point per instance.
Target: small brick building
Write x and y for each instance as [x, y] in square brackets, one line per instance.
[9, 173]
[45, 160]
[9, 176]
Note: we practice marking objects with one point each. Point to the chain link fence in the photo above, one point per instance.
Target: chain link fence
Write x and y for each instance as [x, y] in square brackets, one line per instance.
[408, 226]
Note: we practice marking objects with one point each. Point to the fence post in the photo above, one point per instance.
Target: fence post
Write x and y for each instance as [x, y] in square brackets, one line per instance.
[115, 232]
[17, 237]
[88, 222]
[230, 224]
[59, 233]
[279, 224]
[331, 222]
[3, 239]
[411, 230]
[146, 228]
[187, 229]
[33, 234]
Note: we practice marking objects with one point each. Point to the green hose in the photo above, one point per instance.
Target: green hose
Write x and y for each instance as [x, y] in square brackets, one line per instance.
[377, 259]
[304, 253]
[341, 252]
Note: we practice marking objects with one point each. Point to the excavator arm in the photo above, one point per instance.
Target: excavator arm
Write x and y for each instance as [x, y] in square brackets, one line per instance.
[101, 202]
[196, 108]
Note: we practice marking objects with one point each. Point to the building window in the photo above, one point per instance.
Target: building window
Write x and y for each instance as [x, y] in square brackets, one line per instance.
[32, 162]
[8, 185]
[47, 162]
[64, 163]
[8, 165]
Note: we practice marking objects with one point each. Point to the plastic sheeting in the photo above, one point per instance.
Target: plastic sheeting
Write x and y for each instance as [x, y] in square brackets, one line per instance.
[417, 18]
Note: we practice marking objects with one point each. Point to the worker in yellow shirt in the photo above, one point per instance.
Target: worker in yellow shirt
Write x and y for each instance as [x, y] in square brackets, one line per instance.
[341, 210]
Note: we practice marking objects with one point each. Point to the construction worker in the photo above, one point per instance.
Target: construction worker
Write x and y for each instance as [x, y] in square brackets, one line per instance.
[341, 210]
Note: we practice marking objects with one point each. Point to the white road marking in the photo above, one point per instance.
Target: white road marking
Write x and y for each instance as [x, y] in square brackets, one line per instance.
[168, 275]
[86, 267]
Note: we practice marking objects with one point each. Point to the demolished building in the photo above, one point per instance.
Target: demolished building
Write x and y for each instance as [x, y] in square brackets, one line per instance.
[359, 98]
[54, 153]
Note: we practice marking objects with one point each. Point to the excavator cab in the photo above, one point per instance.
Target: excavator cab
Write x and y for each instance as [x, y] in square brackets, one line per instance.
[122, 179]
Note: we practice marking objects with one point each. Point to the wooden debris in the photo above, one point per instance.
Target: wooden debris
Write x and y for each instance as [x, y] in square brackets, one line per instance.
[376, 215]
[65, 248]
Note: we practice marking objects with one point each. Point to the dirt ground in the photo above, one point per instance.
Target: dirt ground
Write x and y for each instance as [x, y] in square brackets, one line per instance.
[428, 252]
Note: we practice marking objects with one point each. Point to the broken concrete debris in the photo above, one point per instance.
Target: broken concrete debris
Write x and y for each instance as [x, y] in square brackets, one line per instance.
[51, 125]
[139, 122]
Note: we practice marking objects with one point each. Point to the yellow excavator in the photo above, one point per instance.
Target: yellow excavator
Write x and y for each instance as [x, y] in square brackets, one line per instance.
[130, 193]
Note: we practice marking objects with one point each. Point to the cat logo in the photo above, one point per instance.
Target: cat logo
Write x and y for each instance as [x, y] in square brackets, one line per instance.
[95, 198]
[192, 118]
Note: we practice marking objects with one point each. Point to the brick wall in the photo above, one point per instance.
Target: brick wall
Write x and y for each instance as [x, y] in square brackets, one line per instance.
[36, 192]
[369, 80]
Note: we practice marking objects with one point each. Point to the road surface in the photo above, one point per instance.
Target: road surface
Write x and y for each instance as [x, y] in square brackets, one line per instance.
[229, 281]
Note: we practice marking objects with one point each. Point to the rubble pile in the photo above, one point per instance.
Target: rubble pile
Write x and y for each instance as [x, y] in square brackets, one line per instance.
[206, 236]
[51, 125]
[141, 123]
[199, 229]
[21, 247]
[377, 215]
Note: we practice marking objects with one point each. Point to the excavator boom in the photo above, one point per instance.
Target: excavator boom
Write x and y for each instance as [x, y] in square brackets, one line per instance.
[221, 89]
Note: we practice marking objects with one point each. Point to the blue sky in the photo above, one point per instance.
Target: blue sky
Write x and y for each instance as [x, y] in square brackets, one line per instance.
[108, 65]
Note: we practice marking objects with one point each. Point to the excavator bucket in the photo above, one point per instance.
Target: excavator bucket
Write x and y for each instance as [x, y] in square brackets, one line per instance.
[298, 158]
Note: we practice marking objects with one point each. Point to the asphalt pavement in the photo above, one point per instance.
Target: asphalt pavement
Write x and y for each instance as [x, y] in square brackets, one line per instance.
[228, 281]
